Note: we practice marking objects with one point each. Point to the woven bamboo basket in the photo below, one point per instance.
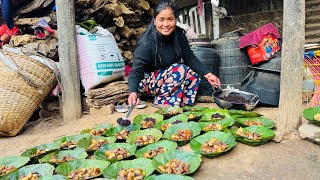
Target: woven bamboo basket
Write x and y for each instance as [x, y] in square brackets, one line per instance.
[21, 90]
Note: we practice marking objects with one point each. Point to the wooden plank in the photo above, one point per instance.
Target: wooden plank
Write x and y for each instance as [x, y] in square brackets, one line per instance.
[71, 98]
[186, 3]
[290, 105]
[208, 19]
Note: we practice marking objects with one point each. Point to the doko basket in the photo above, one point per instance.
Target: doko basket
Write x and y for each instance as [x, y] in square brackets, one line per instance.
[23, 86]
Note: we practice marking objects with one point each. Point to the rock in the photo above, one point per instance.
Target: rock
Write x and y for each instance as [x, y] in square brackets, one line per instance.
[310, 132]
[103, 110]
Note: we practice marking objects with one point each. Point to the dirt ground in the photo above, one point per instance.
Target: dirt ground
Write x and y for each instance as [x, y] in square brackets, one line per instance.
[291, 159]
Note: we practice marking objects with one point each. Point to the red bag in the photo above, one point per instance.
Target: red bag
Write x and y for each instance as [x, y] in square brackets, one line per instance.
[266, 49]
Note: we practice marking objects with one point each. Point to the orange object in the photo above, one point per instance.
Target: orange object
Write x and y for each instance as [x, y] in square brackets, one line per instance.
[266, 49]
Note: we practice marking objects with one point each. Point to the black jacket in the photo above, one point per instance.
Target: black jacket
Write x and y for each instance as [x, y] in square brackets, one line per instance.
[145, 61]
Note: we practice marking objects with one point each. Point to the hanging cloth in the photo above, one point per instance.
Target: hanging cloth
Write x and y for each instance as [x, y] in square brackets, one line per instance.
[200, 7]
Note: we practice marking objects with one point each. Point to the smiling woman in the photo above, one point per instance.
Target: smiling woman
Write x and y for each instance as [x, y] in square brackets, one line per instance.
[157, 69]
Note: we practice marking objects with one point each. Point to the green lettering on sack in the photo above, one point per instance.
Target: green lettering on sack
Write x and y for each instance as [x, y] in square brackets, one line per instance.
[105, 73]
[92, 37]
[109, 65]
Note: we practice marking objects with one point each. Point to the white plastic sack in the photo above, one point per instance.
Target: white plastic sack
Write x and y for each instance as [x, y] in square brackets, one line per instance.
[100, 59]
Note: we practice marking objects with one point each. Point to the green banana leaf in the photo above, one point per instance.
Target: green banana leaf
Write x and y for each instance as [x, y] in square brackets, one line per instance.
[169, 176]
[197, 115]
[78, 153]
[131, 139]
[207, 115]
[138, 119]
[240, 113]
[86, 142]
[266, 135]
[227, 138]
[309, 113]
[66, 168]
[15, 161]
[32, 152]
[169, 112]
[115, 130]
[181, 117]
[265, 121]
[194, 108]
[193, 126]
[53, 177]
[98, 127]
[75, 138]
[169, 145]
[225, 123]
[100, 154]
[145, 164]
[185, 156]
[41, 169]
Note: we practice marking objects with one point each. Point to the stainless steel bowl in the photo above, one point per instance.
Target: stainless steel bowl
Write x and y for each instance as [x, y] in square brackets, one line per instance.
[218, 99]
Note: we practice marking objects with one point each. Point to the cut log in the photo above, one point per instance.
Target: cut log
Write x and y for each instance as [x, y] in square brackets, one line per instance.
[117, 37]
[112, 29]
[128, 55]
[125, 9]
[144, 4]
[138, 31]
[114, 9]
[133, 42]
[126, 31]
[119, 21]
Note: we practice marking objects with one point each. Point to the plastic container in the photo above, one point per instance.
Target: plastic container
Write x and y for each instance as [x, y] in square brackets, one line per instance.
[209, 58]
[234, 61]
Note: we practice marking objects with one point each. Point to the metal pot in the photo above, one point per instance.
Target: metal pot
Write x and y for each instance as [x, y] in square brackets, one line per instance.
[218, 99]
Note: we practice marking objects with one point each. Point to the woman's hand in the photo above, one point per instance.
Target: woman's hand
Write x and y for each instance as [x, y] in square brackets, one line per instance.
[213, 80]
[133, 99]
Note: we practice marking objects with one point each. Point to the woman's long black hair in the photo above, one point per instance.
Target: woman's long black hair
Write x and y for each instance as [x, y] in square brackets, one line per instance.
[151, 31]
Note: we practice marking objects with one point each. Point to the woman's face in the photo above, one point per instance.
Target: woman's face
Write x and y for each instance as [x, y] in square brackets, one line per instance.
[165, 21]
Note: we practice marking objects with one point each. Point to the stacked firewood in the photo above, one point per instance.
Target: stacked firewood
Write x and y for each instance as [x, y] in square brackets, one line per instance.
[109, 94]
[125, 19]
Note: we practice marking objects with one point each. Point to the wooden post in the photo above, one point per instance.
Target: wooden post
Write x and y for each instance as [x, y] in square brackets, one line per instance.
[71, 99]
[291, 66]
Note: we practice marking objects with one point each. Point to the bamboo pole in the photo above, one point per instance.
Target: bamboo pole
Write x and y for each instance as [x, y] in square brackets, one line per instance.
[290, 105]
[71, 99]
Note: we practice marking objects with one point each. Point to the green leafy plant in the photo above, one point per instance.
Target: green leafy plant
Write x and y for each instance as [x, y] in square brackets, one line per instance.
[13, 162]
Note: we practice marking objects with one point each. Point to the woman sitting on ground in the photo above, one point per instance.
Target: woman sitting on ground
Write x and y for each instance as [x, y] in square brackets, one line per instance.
[157, 70]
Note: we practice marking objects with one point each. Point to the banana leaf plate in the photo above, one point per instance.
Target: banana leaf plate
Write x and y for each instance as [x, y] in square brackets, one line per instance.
[266, 135]
[192, 126]
[193, 159]
[240, 113]
[90, 144]
[67, 168]
[164, 125]
[169, 176]
[216, 126]
[212, 115]
[40, 169]
[100, 153]
[170, 111]
[72, 139]
[113, 131]
[312, 114]
[39, 151]
[145, 164]
[12, 162]
[140, 119]
[131, 139]
[60, 156]
[259, 121]
[194, 115]
[196, 143]
[167, 145]
[98, 130]
[194, 108]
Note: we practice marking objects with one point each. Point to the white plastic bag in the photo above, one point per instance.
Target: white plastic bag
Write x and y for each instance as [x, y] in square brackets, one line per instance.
[100, 59]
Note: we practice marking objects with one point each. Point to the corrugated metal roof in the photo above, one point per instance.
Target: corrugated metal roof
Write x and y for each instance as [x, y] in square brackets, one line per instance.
[313, 21]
